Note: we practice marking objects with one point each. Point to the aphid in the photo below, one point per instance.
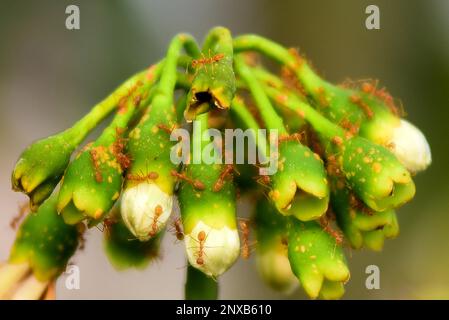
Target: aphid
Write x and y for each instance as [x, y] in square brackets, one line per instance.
[325, 224]
[227, 171]
[362, 105]
[24, 208]
[244, 227]
[197, 184]
[95, 162]
[291, 81]
[154, 226]
[150, 176]
[203, 61]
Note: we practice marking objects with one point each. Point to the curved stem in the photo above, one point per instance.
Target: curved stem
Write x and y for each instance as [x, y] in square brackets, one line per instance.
[311, 81]
[269, 115]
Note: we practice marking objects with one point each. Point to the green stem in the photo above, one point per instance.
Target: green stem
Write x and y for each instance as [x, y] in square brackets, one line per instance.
[199, 286]
[81, 128]
[241, 112]
[269, 115]
[311, 81]
[322, 125]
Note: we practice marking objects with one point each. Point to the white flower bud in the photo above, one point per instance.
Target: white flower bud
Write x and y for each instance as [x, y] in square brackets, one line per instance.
[410, 146]
[145, 209]
[211, 250]
[274, 268]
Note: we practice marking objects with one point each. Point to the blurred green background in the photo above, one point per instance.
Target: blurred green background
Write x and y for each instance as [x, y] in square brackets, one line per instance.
[50, 76]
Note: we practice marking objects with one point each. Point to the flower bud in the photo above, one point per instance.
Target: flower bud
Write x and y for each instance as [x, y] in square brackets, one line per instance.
[316, 259]
[299, 187]
[41, 166]
[123, 253]
[376, 175]
[45, 242]
[271, 251]
[212, 249]
[145, 209]
[410, 146]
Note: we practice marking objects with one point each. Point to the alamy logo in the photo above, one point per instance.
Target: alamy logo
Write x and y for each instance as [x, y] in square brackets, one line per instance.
[212, 149]
[372, 22]
[373, 280]
[72, 22]
[72, 281]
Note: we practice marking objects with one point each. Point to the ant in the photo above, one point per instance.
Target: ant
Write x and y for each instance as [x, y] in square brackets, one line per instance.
[201, 240]
[150, 176]
[117, 149]
[107, 225]
[154, 226]
[177, 229]
[221, 179]
[95, 162]
[24, 208]
[263, 180]
[297, 136]
[338, 141]
[203, 61]
[325, 224]
[351, 128]
[362, 105]
[197, 184]
[166, 128]
[245, 229]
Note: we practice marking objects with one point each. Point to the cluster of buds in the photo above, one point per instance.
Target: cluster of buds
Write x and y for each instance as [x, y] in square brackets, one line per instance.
[345, 161]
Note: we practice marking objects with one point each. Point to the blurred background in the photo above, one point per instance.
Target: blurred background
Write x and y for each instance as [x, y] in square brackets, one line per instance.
[51, 76]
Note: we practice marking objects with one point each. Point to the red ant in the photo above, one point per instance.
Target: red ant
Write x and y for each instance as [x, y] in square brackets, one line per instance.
[201, 239]
[154, 226]
[177, 228]
[221, 179]
[150, 176]
[24, 208]
[244, 227]
[363, 105]
[95, 162]
[117, 149]
[297, 136]
[203, 61]
[325, 224]
[197, 184]
[166, 128]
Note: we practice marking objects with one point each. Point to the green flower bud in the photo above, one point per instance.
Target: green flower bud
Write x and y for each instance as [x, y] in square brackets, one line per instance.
[300, 187]
[375, 174]
[214, 82]
[148, 192]
[207, 202]
[316, 259]
[45, 242]
[42, 164]
[362, 226]
[93, 181]
[123, 253]
[271, 251]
